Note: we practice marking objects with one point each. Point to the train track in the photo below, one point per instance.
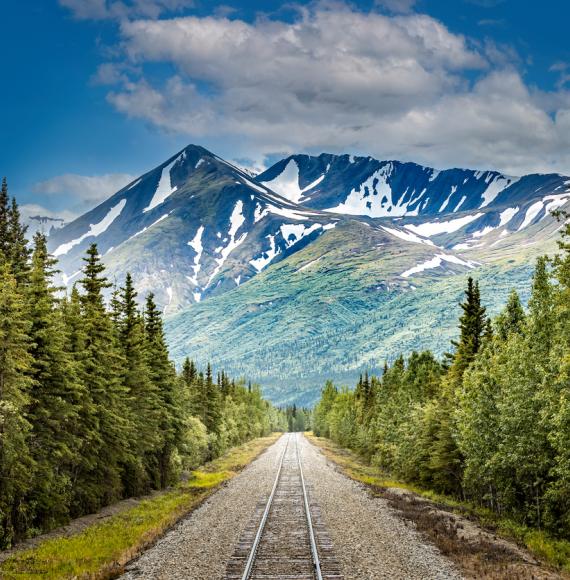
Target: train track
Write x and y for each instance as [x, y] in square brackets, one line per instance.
[286, 538]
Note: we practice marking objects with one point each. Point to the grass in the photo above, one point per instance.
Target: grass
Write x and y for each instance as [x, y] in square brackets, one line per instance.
[484, 559]
[102, 550]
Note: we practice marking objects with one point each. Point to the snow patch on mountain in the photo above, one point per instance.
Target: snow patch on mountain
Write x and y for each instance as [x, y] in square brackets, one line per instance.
[266, 257]
[444, 204]
[134, 184]
[237, 219]
[430, 229]
[196, 245]
[408, 236]
[255, 186]
[507, 215]
[67, 279]
[374, 198]
[94, 229]
[499, 183]
[310, 264]
[293, 233]
[436, 262]
[260, 213]
[146, 228]
[286, 183]
[531, 213]
[164, 189]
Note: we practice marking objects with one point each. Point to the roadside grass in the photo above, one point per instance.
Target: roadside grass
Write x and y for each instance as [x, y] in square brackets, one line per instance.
[102, 550]
[554, 552]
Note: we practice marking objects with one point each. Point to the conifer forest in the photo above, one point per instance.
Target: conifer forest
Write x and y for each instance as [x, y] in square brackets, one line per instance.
[490, 421]
[92, 410]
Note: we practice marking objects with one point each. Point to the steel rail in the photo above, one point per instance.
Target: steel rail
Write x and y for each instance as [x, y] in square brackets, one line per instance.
[314, 551]
[251, 559]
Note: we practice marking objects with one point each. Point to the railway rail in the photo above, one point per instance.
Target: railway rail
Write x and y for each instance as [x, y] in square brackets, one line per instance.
[286, 538]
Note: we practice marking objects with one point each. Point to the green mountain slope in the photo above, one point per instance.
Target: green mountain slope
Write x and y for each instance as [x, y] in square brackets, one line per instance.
[334, 309]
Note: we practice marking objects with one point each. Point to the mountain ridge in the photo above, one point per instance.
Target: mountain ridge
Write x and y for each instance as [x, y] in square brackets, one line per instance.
[255, 279]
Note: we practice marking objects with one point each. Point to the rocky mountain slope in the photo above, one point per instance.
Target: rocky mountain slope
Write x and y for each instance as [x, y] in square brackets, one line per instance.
[321, 266]
[193, 227]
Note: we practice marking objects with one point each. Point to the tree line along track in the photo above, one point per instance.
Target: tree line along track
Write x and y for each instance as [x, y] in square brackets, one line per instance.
[286, 538]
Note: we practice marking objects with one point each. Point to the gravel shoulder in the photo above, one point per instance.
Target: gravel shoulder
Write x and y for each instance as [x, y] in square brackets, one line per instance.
[200, 546]
[371, 540]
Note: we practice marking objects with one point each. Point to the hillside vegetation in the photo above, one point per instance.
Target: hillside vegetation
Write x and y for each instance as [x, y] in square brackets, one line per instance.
[91, 407]
[490, 422]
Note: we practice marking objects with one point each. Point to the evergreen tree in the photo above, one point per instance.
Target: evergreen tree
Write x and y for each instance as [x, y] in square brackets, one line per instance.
[165, 383]
[472, 324]
[512, 319]
[16, 465]
[142, 395]
[4, 223]
[18, 251]
[106, 425]
[55, 396]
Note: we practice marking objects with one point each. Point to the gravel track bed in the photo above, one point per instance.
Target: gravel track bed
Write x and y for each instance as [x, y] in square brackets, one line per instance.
[199, 547]
[370, 540]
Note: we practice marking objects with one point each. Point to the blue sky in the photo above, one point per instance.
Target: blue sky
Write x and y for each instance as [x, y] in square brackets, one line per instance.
[98, 91]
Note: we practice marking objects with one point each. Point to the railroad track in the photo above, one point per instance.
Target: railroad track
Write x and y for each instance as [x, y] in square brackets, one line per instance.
[286, 538]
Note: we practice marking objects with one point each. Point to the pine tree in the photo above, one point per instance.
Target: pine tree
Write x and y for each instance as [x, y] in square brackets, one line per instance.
[16, 465]
[4, 223]
[143, 399]
[164, 381]
[512, 319]
[106, 425]
[18, 251]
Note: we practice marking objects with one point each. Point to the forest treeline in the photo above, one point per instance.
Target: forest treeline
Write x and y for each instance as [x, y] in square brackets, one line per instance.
[92, 409]
[490, 422]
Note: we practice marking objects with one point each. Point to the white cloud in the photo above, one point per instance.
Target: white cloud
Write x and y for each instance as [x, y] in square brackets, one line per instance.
[81, 192]
[111, 9]
[342, 80]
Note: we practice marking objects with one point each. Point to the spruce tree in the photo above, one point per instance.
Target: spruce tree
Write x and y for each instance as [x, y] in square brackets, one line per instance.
[16, 465]
[512, 318]
[55, 396]
[143, 399]
[106, 450]
[4, 223]
[472, 325]
[164, 381]
[18, 251]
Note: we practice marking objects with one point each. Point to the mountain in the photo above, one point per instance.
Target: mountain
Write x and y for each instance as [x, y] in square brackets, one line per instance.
[320, 267]
[193, 227]
[365, 186]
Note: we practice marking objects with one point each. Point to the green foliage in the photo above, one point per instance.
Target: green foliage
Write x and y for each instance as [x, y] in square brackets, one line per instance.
[91, 407]
[492, 425]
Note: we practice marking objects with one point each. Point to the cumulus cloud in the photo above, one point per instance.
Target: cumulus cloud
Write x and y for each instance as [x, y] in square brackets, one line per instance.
[81, 192]
[111, 9]
[338, 79]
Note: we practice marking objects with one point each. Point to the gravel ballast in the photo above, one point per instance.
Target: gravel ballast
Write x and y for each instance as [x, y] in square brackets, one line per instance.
[371, 541]
[199, 547]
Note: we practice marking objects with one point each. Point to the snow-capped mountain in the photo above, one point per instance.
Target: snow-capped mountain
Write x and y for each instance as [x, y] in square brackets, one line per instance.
[194, 226]
[365, 186]
[337, 260]
[455, 209]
